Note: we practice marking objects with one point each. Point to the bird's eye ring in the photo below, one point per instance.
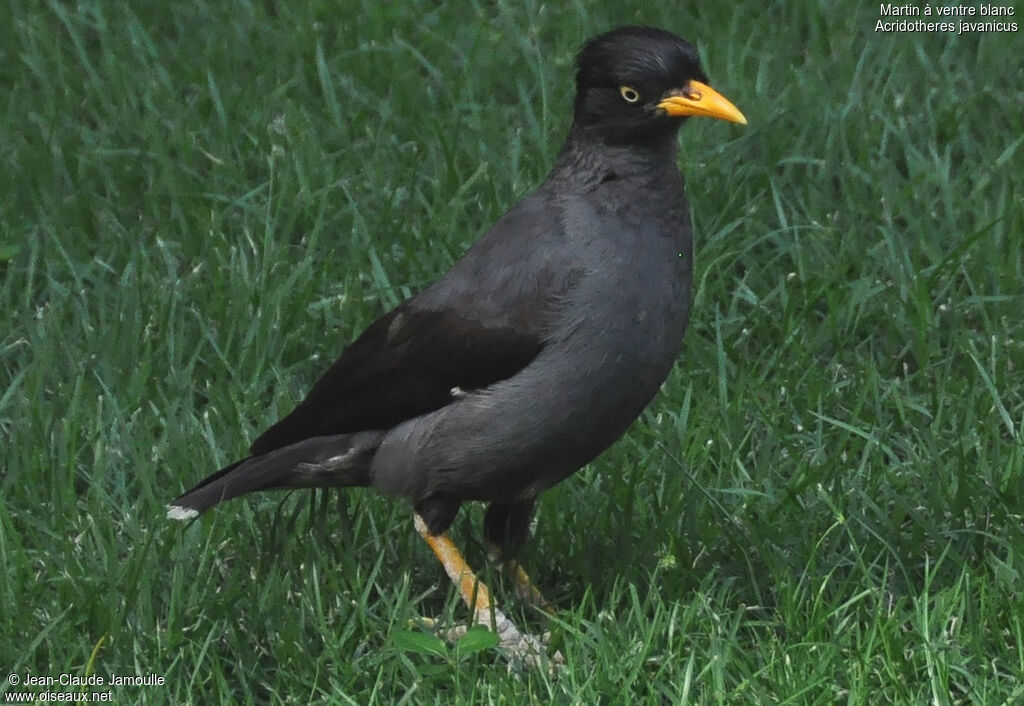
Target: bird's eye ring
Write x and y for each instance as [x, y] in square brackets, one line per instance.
[629, 94]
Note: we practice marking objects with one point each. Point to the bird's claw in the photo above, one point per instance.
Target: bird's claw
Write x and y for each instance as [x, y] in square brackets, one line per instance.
[525, 650]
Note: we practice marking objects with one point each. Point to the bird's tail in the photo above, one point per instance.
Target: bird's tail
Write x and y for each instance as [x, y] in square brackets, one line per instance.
[342, 460]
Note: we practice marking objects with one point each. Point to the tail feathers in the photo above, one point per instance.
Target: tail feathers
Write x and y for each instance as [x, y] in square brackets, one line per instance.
[323, 461]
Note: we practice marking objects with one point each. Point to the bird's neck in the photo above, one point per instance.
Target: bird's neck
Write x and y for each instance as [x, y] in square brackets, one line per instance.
[595, 155]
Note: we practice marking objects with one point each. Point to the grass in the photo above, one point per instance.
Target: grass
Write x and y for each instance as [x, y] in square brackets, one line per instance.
[203, 202]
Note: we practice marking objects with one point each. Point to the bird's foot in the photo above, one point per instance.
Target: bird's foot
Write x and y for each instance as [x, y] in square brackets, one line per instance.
[524, 650]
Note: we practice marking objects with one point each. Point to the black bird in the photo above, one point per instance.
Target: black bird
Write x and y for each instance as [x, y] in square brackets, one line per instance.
[538, 348]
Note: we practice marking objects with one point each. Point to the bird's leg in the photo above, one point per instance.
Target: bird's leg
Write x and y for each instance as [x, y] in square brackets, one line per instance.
[474, 592]
[506, 529]
[478, 597]
[524, 587]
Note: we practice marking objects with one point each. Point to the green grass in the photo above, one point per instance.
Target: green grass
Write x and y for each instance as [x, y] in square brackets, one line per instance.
[201, 203]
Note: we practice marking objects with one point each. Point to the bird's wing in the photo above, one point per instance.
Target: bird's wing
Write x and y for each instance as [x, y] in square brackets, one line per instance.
[481, 323]
[405, 364]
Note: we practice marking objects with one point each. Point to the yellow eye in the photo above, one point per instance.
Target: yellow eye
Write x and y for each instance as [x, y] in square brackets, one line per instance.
[629, 94]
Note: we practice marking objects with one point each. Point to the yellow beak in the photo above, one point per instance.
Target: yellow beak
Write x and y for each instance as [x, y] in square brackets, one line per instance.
[700, 99]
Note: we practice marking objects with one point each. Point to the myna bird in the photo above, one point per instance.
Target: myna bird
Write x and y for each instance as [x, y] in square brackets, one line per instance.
[536, 350]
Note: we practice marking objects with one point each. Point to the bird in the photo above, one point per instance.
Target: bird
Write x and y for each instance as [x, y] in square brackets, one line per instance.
[536, 350]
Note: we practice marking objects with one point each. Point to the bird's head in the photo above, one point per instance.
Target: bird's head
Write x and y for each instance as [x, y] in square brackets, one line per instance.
[637, 82]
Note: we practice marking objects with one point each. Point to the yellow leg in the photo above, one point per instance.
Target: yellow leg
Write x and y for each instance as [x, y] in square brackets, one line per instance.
[524, 587]
[474, 592]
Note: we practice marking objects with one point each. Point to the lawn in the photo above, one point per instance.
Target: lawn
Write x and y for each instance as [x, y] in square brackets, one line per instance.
[202, 202]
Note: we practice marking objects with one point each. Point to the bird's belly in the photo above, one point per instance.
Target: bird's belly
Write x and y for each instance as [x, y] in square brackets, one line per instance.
[527, 433]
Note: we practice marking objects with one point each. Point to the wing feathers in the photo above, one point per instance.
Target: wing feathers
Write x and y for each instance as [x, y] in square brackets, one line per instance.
[404, 365]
